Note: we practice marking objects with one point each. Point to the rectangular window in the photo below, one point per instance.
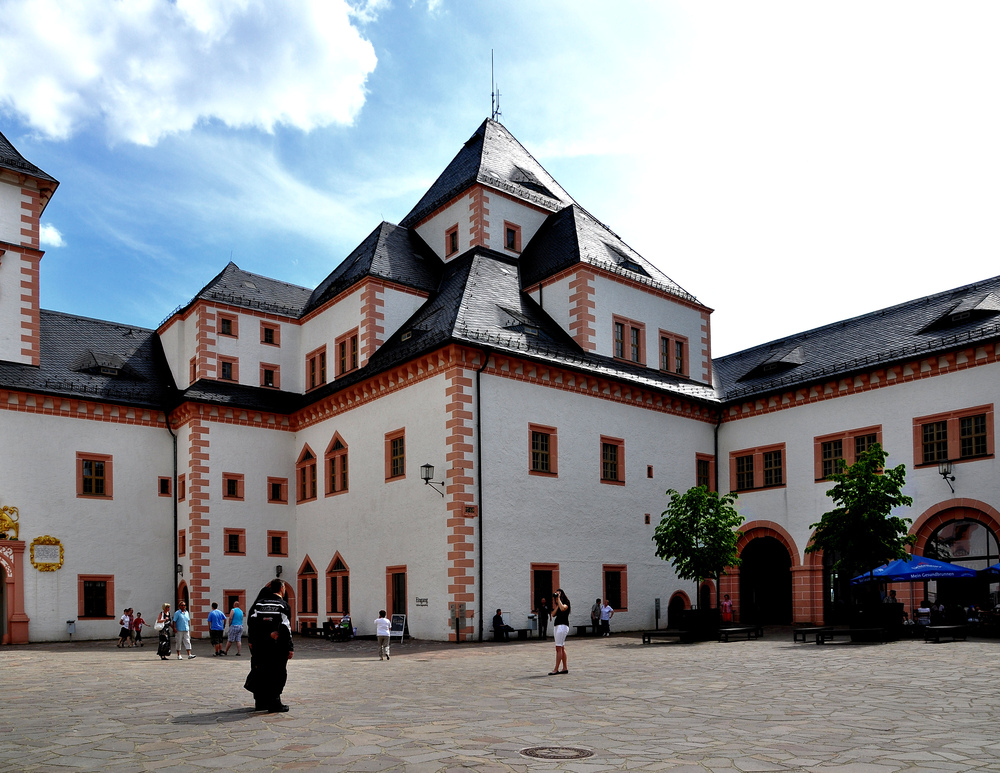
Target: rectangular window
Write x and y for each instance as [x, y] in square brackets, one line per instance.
[512, 237]
[270, 375]
[229, 369]
[395, 455]
[182, 542]
[229, 325]
[833, 452]
[95, 596]
[93, 476]
[744, 473]
[235, 541]
[277, 543]
[957, 436]
[193, 375]
[616, 586]
[773, 468]
[277, 491]
[316, 368]
[270, 334]
[829, 450]
[232, 486]
[181, 487]
[673, 353]
[757, 468]
[629, 340]
[451, 241]
[705, 471]
[542, 450]
[612, 460]
[347, 352]
[164, 485]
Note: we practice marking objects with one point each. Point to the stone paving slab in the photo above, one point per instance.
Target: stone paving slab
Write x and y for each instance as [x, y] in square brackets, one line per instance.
[743, 707]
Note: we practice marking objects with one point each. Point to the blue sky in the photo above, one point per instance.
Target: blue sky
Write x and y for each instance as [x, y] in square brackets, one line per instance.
[790, 164]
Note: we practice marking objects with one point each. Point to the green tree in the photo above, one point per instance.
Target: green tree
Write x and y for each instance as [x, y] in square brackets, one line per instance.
[861, 532]
[698, 533]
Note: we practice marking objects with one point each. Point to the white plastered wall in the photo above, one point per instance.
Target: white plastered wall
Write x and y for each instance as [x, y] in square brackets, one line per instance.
[574, 520]
[433, 230]
[128, 537]
[503, 209]
[803, 500]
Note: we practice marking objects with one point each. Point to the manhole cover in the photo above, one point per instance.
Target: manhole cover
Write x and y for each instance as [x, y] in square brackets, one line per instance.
[557, 753]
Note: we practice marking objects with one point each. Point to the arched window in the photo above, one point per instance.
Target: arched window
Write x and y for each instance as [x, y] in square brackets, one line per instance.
[338, 599]
[305, 475]
[308, 588]
[965, 542]
[336, 466]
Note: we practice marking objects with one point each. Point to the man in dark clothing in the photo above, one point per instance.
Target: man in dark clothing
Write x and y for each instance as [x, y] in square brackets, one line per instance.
[269, 632]
[543, 613]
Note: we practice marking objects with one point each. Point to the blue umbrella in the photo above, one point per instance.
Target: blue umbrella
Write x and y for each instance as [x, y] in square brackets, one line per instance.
[916, 569]
[995, 569]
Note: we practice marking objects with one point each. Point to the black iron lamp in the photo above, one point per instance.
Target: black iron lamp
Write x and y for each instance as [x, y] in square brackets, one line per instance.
[945, 469]
[426, 473]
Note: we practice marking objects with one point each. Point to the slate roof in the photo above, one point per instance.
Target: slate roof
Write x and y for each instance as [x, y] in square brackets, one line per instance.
[389, 252]
[493, 157]
[480, 303]
[575, 236]
[11, 159]
[73, 351]
[253, 291]
[918, 328]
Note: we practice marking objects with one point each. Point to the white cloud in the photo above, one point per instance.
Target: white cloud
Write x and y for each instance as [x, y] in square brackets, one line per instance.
[148, 68]
[49, 236]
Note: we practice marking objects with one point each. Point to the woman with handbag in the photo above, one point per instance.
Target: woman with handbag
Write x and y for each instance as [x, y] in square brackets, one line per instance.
[164, 627]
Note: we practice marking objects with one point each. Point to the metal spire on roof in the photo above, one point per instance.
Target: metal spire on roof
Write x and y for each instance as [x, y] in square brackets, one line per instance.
[495, 112]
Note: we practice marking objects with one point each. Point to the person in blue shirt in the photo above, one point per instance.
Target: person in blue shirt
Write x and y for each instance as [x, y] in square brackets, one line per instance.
[216, 625]
[235, 629]
[182, 625]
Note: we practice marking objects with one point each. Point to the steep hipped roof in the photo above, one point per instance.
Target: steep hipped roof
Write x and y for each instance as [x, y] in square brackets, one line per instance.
[253, 291]
[575, 236]
[11, 159]
[918, 328]
[493, 157]
[94, 360]
[389, 252]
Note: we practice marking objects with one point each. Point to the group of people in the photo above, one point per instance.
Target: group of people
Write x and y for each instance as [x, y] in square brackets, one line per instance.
[600, 617]
[130, 634]
[180, 623]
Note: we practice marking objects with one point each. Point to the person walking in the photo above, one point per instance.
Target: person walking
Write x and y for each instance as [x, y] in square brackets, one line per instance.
[235, 629]
[164, 626]
[269, 633]
[542, 612]
[560, 614]
[216, 628]
[137, 624]
[607, 612]
[182, 625]
[124, 630]
[382, 628]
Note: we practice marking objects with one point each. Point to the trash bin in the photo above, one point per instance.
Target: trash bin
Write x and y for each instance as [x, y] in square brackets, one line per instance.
[71, 627]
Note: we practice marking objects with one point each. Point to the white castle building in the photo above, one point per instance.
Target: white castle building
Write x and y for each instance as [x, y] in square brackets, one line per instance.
[556, 380]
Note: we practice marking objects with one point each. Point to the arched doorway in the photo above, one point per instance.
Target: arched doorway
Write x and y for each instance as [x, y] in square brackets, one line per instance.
[766, 582]
[675, 610]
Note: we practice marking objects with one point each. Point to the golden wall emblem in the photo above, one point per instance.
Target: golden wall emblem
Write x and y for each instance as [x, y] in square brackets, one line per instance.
[46, 554]
[8, 522]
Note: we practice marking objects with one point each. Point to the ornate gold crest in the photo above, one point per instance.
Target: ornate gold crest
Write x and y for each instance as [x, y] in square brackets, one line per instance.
[8, 522]
[46, 554]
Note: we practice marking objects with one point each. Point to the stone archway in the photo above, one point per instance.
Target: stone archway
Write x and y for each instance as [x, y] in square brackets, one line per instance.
[15, 621]
[675, 608]
[764, 584]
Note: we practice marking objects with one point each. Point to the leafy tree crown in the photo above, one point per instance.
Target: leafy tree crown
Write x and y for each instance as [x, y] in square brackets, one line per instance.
[698, 533]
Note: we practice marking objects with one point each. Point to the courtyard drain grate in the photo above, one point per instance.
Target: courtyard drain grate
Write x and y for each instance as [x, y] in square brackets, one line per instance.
[557, 753]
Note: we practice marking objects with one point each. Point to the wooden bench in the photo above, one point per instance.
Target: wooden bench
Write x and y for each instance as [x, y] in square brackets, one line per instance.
[954, 632]
[310, 629]
[662, 633]
[880, 635]
[581, 630]
[338, 632]
[749, 631]
[803, 634]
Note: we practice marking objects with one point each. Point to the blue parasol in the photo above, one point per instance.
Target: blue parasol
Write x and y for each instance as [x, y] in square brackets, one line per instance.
[916, 569]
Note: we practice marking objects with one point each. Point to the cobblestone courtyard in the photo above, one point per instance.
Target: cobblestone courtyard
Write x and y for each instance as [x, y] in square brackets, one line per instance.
[766, 705]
